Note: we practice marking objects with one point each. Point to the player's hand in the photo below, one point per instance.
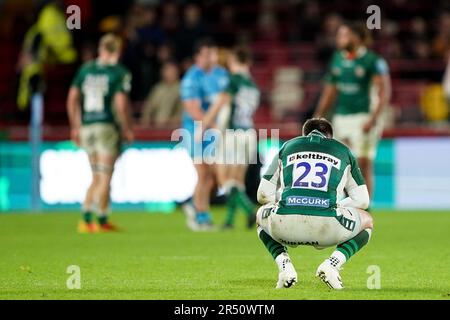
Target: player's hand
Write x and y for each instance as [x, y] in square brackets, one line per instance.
[369, 125]
[75, 136]
[128, 135]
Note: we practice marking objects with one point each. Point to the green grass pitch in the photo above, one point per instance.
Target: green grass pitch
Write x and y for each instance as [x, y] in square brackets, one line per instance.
[158, 258]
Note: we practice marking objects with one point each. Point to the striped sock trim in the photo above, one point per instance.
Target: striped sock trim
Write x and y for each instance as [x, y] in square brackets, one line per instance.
[352, 246]
[245, 202]
[274, 248]
[231, 208]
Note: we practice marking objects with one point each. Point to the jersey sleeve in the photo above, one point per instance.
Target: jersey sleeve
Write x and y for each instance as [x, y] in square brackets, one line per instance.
[223, 81]
[358, 195]
[268, 187]
[78, 79]
[380, 66]
[189, 88]
[272, 172]
[233, 86]
[355, 175]
[124, 83]
[330, 77]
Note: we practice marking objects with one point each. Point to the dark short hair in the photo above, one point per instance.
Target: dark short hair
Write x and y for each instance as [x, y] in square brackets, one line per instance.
[203, 43]
[361, 30]
[242, 54]
[320, 124]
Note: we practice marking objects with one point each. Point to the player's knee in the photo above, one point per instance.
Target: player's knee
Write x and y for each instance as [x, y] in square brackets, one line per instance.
[95, 182]
[366, 220]
[259, 229]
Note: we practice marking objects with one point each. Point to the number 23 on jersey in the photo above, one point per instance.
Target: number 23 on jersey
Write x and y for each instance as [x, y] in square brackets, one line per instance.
[312, 170]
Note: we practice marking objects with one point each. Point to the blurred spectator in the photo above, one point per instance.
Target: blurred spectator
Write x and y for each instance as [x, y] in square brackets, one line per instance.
[143, 36]
[225, 32]
[418, 29]
[434, 105]
[156, 32]
[170, 20]
[47, 41]
[393, 51]
[325, 40]
[309, 21]
[88, 51]
[165, 53]
[110, 24]
[417, 45]
[287, 93]
[148, 30]
[268, 27]
[446, 81]
[15, 17]
[421, 49]
[193, 29]
[388, 44]
[163, 105]
[441, 43]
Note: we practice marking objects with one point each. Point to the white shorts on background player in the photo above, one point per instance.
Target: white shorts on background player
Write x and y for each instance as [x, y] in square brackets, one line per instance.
[319, 231]
[348, 128]
[100, 138]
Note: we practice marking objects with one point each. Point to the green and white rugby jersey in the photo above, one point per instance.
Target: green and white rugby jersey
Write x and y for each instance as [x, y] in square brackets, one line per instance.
[352, 77]
[311, 174]
[98, 84]
[245, 100]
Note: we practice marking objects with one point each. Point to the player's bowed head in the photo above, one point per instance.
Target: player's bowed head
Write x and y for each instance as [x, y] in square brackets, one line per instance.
[320, 124]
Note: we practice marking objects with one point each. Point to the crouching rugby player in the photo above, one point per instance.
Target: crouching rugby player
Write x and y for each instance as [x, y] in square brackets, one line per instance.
[313, 193]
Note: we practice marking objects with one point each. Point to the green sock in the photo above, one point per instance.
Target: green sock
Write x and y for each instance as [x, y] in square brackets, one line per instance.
[352, 246]
[87, 216]
[231, 206]
[103, 219]
[245, 202]
[275, 248]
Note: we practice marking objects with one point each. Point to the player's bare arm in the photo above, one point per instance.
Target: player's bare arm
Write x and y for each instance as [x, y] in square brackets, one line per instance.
[327, 98]
[193, 108]
[74, 113]
[209, 118]
[124, 114]
[195, 111]
[383, 85]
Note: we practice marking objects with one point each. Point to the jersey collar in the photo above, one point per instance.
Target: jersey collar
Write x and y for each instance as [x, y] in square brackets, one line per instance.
[103, 64]
[316, 133]
[359, 53]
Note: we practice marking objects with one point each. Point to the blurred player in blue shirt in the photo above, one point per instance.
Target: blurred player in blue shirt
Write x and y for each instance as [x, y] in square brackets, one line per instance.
[199, 87]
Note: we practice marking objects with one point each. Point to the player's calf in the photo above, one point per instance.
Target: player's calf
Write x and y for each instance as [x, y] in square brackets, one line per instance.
[287, 275]
[328, 271]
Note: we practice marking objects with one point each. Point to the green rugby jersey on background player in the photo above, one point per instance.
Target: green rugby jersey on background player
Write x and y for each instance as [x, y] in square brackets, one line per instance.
[245, 100]
[312, 173]
[98, 84]
[353, 77]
